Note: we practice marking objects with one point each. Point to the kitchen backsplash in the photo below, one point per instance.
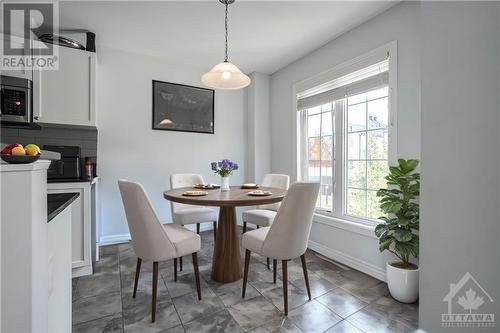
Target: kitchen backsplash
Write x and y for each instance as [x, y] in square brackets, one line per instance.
[68, 135]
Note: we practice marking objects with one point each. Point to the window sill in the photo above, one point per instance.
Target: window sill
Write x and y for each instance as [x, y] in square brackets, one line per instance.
[358, 228]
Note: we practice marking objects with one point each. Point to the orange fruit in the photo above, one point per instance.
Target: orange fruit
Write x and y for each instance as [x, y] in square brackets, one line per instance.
[18, 151]
[32, 151]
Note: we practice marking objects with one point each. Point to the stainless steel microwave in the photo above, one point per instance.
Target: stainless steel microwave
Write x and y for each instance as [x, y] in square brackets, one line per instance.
[16, 100]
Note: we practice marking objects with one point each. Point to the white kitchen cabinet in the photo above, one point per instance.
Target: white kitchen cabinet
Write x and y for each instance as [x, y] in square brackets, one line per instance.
[24, 272]
[59, 264]
[83, 221]
[18, 43]
[66, 95]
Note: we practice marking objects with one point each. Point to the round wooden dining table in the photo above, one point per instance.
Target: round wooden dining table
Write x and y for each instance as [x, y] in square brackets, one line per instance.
[226, 262]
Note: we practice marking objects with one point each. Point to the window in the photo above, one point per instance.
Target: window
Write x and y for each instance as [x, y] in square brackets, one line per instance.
[320, 121]
[344, 131]
[367, 151]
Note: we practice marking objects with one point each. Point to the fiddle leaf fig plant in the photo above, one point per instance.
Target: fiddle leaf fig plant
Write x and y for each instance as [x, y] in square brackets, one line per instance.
[398, 233]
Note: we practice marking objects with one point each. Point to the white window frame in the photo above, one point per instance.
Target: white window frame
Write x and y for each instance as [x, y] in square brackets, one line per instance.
[338, 216]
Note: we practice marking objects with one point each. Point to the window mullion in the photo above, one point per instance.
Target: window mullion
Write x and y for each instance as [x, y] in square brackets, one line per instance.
[333, 162]
[339, 191]
[320, 156]
[366, 156]
[305, 145]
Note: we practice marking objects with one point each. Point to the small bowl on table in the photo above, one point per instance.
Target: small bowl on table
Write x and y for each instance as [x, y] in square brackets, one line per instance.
[206, 186]
[19, 159]
[250, 186]
[194, 193]
[259, 193]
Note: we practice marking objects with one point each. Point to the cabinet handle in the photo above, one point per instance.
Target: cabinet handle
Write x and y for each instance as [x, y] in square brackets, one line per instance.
[37, 94]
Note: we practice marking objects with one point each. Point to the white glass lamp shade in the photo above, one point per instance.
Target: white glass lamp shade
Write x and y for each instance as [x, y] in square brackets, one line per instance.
[225, 76]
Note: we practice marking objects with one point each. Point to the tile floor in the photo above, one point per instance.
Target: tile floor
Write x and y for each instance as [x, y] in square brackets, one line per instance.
[344, 300]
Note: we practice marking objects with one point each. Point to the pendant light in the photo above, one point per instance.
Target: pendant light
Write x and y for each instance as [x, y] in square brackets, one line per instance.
[225, 75]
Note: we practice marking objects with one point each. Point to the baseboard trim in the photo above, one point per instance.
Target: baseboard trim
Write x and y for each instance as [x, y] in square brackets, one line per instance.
[349, 260]
[203, 227]
[114, 239]
[81, 271]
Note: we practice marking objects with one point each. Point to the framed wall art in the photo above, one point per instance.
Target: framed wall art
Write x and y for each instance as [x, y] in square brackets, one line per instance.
[179, 107]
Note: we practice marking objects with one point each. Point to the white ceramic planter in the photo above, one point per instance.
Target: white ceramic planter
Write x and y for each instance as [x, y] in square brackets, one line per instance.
[224, 184]
[403, 283]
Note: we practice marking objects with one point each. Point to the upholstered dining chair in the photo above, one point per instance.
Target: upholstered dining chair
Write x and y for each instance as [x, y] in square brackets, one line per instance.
[287, 236]
[154, 241]
[183, 214]
[264, 215]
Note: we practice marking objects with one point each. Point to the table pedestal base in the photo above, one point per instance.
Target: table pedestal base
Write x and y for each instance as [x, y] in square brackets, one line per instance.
[226, 265]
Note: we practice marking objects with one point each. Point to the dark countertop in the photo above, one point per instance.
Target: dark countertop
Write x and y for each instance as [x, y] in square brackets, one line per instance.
[29, 126]
[57, 202]
[71, 180]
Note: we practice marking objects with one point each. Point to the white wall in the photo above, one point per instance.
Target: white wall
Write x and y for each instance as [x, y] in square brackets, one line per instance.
[129, 148]
[460, 222]
[258, 127]
[398, 23]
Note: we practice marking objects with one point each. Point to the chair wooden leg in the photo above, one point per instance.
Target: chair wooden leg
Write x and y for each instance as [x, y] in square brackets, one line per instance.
[175, 269]
[196, 274]
[285, 285]
[198, 228]
[306, 277]
[137, 272]
[244, 227]
[155, 285]
[245, 272]
[180, 264]
[268, 264]
[275, 268]
[215, 231]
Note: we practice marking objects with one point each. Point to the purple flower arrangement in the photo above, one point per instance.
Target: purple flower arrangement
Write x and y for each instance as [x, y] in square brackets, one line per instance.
[224, 168]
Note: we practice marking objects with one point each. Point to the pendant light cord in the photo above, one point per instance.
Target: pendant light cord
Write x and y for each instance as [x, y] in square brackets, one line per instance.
[225, 59]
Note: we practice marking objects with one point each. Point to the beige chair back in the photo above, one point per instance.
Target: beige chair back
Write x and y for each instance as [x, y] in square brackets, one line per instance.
[183, 180]
[278, 181]
[288, 235]
[149, 239]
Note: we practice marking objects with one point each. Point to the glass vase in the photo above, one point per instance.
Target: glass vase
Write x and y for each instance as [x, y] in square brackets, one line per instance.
[224, 184]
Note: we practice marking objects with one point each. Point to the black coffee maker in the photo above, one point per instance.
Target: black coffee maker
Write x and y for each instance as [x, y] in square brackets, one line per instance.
[69, 166]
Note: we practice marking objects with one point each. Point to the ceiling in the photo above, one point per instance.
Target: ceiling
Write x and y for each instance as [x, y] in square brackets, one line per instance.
[264, 36]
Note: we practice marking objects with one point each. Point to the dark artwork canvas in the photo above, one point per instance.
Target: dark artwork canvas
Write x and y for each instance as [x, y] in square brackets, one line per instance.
[178, 107]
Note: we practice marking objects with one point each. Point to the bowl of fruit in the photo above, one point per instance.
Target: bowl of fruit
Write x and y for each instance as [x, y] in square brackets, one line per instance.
[17, 154]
